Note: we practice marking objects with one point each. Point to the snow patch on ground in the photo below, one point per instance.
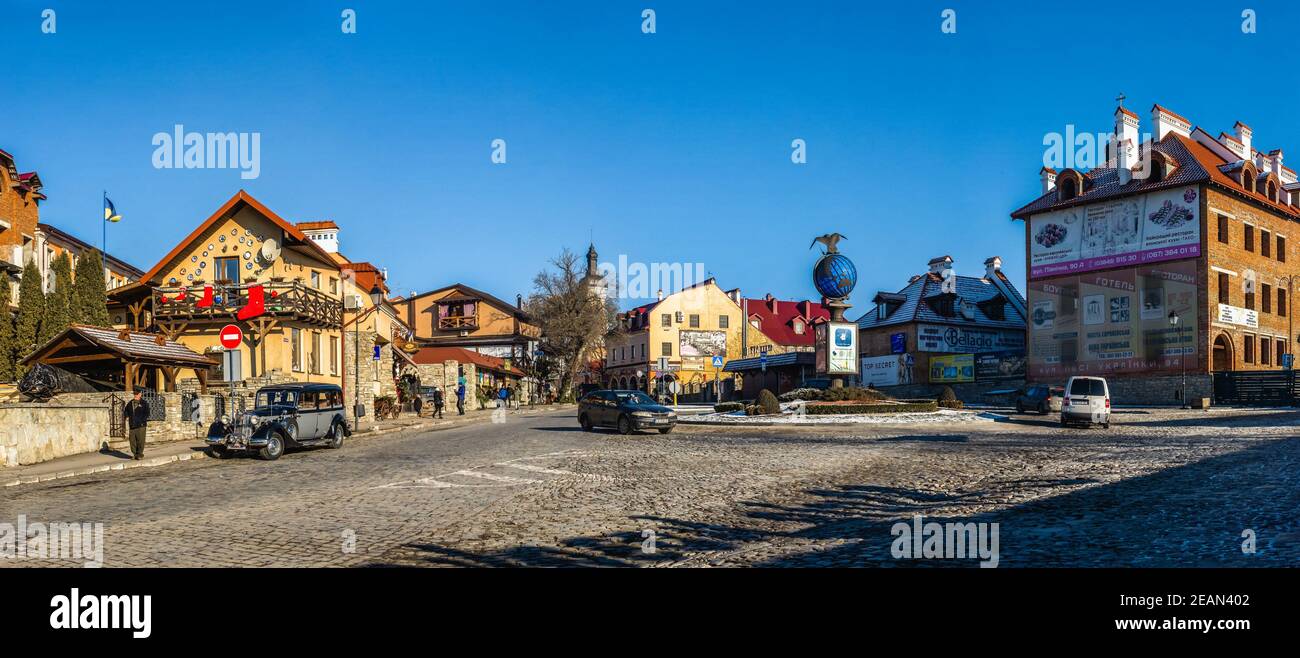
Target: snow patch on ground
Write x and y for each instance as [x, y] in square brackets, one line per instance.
[787, 418]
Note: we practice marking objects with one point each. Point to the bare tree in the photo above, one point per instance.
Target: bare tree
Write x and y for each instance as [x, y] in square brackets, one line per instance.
[573, 314]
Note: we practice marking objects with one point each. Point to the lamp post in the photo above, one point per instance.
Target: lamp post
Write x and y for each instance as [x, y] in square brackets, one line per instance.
[1182, 355]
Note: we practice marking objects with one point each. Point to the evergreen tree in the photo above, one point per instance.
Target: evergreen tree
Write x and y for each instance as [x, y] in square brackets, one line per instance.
[60, 309]
[6, 332]
[91, 299]
[31, 313]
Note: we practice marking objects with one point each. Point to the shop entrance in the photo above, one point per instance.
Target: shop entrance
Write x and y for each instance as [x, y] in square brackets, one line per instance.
[1223, 353]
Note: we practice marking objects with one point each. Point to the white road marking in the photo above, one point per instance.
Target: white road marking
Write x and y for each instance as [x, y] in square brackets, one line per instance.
[495, 478]
[534, 469]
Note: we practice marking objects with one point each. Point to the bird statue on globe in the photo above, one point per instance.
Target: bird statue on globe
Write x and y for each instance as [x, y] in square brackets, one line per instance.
[834, 275]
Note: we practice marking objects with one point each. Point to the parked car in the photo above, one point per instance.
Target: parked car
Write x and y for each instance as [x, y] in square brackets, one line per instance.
[1087, 401]
[628, 411]
[1040, 397]
[283, 416]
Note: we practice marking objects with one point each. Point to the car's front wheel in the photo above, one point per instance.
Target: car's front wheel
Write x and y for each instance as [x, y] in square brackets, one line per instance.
[217, 452]
[274, 447]
[624, 425]
[336, 436]
[585, 421]
[665, 430]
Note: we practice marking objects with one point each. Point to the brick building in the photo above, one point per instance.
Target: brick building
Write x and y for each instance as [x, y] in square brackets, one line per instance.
[943, 328]
[1185, 224]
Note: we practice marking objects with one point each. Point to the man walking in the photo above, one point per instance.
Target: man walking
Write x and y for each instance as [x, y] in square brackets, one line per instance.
[136, 413]
[503, 398]
[460, 399]
[437, 402]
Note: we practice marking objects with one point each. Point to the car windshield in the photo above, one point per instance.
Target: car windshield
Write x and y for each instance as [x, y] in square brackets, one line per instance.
[276, 398]
[635, 397]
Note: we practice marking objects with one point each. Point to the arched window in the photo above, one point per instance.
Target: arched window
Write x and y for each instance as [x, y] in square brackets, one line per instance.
[1270, 190]
[1068, 189]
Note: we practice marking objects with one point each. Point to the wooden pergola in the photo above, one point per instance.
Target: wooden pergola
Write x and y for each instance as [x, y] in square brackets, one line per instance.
[82, 349]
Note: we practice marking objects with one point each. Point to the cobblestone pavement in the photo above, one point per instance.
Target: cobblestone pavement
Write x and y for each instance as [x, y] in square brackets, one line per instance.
[1160, 488]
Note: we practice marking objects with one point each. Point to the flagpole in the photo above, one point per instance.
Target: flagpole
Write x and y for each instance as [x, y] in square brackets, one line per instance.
[103, 245]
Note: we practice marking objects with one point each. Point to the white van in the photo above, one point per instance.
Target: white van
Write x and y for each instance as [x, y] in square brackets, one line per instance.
[1087, 401]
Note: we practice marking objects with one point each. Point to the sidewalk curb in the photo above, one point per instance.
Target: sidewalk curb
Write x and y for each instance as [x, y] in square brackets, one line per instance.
[199, 454]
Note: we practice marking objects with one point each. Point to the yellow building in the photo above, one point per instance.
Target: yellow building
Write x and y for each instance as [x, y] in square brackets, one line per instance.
[52, 242]
[246, 266]
[689, 328]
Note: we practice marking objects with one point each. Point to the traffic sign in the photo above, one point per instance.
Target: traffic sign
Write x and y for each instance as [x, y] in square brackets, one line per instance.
[762, 362]
[231, 336]
[717, 362]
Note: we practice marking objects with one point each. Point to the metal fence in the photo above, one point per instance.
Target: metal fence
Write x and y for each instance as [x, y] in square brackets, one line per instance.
[116, 421]
[1265, 388]
[157, 405]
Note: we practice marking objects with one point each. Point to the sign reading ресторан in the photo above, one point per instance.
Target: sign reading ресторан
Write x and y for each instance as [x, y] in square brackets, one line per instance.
[966, 340]
[1237, 315]
[1128, 231]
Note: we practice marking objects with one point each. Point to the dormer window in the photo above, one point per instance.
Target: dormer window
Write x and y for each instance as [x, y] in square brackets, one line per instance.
[1248, 177]
[1068, 190]
[1270, 190]
[798, 327]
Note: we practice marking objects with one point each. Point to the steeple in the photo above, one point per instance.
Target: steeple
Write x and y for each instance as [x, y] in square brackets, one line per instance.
[591, 260]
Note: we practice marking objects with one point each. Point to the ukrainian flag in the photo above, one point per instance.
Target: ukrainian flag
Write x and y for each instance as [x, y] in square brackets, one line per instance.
[110, 213]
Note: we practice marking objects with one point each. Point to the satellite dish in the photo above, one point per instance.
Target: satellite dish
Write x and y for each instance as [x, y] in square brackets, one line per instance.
[270, 250]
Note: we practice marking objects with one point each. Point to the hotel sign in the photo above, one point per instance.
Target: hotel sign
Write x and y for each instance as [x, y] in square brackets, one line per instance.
[965, 340]
[1238, 316]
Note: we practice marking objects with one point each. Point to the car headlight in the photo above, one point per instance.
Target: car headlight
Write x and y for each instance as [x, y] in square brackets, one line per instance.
[642, 414]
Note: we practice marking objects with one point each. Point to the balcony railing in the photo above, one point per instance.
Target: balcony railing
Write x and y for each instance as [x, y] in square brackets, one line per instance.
[454, 322]
[285, 300]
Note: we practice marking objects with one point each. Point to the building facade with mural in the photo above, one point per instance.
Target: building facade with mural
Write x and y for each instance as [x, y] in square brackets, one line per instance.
[1173, 257]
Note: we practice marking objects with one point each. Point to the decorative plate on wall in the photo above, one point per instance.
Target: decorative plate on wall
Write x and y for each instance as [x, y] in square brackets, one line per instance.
[194, 259]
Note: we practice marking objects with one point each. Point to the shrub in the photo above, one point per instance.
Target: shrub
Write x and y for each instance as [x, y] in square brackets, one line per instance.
[948, 399]
[852, 393]
[801, 394]
[872, 408]
[768, 403]
[727, 407]
[753, 410]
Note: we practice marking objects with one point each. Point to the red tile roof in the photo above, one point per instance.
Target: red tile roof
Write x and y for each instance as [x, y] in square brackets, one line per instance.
[779, 324]
[367, 276]
[316, 226]
[436, 355]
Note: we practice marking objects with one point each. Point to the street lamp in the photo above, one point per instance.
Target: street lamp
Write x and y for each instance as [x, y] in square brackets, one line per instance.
[1182, 355]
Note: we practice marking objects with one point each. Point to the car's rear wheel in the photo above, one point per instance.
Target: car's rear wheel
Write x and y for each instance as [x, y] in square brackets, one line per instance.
[1042, 407]
[336, 436]
[1020, 407]
[624, 425]
[273, 449]
[585, 421]
[665, 430]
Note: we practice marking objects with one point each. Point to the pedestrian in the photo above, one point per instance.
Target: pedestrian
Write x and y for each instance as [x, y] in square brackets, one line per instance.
[437, 402]
[460, 398]
[136, 413]
[503, 398]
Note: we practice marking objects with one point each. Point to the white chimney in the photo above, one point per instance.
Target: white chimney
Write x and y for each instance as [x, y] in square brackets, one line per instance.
[1126, 133]
[1167, 122]
[992, 266]
[1047, 176]
[1243, 132]
[938, 265]
[660, 294]
[1275, 162]
[1124, 161]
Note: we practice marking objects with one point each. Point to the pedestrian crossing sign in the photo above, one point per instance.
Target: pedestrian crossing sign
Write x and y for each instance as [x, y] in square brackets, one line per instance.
[717, 362]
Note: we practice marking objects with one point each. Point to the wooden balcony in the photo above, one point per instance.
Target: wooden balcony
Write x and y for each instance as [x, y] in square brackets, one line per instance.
[457, 322]
[289, 300]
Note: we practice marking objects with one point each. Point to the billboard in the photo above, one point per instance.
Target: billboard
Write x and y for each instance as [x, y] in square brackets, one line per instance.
[967, 340]
[695, 344]
[952, 369]
[890, 370]
[837, 348]
[999, 365]
[1135, 230]
[1112, 322]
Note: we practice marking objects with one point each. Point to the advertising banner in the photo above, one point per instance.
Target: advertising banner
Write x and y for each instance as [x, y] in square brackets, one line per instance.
[965, 340]
[890, 370]
[1136, 230]
[837, 348]
[952, 369]
[702, 343]
[999, 365]
[1237, 315]
[1117, 321]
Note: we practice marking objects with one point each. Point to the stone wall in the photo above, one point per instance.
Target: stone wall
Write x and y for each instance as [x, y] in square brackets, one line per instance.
[35, 432]
[1162, 390]
[365, 393]
[970, 393]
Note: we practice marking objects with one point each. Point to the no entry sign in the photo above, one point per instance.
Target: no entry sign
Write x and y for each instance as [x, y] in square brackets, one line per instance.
[231, 336]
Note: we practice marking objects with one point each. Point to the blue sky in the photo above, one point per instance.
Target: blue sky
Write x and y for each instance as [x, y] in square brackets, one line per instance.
[672, 147]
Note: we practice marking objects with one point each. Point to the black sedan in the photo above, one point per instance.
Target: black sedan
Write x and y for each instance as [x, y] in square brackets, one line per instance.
[628, 411]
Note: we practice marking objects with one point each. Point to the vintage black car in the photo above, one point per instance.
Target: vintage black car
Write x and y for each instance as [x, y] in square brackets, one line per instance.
[283, 416]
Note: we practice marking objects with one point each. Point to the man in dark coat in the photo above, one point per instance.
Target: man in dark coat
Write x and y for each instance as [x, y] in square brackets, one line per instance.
[136, 413]
[437, 402]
